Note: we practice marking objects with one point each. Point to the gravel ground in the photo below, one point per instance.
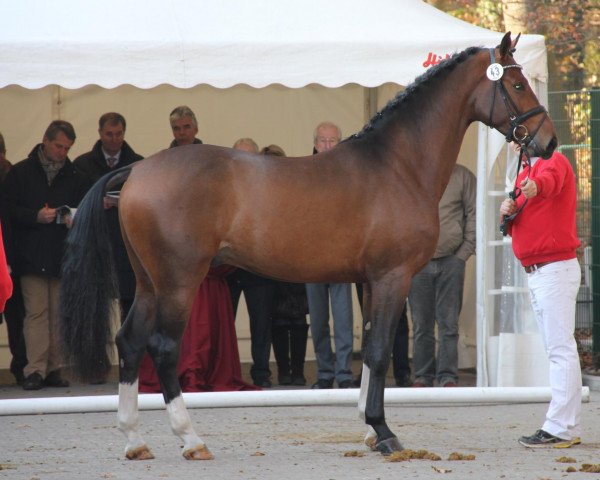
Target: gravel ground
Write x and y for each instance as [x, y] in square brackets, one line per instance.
[295, 443]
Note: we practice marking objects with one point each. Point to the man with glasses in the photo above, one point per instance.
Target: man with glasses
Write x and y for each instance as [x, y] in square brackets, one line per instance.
[331, 367]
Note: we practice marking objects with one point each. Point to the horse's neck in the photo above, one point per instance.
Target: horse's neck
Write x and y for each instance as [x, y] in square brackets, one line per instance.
[434, 134]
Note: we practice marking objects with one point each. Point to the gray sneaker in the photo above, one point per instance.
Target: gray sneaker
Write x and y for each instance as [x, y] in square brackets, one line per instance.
[542, 439]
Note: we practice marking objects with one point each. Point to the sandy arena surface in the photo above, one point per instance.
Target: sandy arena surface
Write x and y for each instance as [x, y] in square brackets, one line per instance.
[288, 443]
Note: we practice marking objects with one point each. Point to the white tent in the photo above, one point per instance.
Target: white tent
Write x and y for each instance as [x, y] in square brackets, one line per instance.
[146, 43]
[270, 69]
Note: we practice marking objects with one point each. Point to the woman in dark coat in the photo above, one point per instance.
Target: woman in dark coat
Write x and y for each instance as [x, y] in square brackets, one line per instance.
[290, 329]
[290, 332]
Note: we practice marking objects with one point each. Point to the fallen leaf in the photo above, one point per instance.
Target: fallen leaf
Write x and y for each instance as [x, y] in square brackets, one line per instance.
[441, 470]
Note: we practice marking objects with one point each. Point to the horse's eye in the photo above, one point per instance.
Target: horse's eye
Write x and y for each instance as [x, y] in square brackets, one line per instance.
[519, 86]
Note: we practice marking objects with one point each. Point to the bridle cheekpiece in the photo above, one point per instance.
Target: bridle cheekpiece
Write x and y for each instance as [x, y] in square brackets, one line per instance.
[517, 132]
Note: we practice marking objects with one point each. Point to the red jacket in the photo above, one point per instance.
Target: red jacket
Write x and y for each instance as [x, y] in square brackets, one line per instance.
[546, 228]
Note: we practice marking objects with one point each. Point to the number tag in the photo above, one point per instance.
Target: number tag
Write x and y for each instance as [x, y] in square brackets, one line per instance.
[495, 71]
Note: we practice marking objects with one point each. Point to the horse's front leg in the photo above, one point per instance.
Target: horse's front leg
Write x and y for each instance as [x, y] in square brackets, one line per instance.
[384, 301]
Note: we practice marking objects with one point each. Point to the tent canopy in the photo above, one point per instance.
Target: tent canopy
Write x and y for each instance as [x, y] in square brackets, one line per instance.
[146, 43]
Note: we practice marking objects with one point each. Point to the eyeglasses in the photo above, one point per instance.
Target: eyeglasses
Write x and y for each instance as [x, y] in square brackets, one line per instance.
[330, 140]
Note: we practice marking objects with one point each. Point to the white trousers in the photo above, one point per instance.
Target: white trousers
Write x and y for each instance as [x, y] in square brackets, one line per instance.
[553, 289]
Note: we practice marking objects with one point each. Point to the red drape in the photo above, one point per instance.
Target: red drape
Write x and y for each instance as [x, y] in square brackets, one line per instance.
[6, 286]
[209, 360]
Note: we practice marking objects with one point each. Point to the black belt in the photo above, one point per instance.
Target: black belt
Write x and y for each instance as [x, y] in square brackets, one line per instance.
[536, 266]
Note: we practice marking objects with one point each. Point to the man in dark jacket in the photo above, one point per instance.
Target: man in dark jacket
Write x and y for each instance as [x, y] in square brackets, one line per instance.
[33, 190]
[108, 153]
[184, 126]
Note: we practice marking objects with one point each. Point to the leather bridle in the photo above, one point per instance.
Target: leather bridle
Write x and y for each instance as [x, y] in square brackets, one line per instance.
[515, 119]
[517, 131]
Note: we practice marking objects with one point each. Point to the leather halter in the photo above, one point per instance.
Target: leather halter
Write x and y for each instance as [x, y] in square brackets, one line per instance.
[516, 120]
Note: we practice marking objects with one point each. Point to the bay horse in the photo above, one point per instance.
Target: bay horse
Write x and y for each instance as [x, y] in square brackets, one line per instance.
[365, 211]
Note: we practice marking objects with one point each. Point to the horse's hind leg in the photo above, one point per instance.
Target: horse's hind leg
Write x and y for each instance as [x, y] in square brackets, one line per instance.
[384, 301]
[131, 343]
[163, 347]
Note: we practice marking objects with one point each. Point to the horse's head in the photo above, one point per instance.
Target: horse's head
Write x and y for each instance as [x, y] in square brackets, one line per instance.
[514, 109]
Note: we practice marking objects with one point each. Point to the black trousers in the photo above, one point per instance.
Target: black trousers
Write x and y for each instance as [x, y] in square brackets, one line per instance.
[400, 362]
[259, 295]
[289, 347]
[14, 313]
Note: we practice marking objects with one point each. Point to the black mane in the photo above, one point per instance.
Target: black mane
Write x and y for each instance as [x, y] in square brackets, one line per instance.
[425, 80]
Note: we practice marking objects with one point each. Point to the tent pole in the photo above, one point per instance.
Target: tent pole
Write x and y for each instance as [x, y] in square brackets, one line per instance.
[370, 103]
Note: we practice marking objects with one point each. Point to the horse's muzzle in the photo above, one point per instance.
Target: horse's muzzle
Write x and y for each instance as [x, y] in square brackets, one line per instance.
[547, 153]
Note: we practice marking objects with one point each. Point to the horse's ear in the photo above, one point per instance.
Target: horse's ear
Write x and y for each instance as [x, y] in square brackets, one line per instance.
[505, 45]
[513, 45]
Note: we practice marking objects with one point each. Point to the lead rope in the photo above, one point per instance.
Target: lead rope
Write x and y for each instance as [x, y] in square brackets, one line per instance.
[514, 194]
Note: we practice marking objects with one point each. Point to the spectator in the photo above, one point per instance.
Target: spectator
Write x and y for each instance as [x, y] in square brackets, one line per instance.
[14, 310]
[184, 126]
[259, 293]
[33, 190]
[246, 144]
[109, 152]
[209, 359]
[290, 330]
[436, 292]
[5, 165]
[339, 366]
[544, 239]
[5, 280]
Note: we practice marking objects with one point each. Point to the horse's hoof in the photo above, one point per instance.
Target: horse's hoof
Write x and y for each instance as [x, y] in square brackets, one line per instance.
[389, 446]
[198, 453]
[139, 453]
[371, 440]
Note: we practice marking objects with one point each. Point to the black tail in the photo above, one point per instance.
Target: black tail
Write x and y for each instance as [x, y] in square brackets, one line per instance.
[89, 284]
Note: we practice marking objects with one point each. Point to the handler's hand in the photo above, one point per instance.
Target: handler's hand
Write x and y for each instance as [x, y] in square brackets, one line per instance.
[529, 188]
[508, 207]
[46, 215]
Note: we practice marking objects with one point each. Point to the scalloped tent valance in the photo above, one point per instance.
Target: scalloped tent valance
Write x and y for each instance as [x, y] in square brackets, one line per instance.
[146, 43]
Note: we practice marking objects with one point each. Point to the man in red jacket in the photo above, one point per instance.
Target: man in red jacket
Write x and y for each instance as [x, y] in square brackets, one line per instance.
[544, 239]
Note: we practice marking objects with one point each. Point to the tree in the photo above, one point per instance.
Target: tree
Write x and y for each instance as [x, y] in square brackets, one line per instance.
[514, 14]
[571, 29]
